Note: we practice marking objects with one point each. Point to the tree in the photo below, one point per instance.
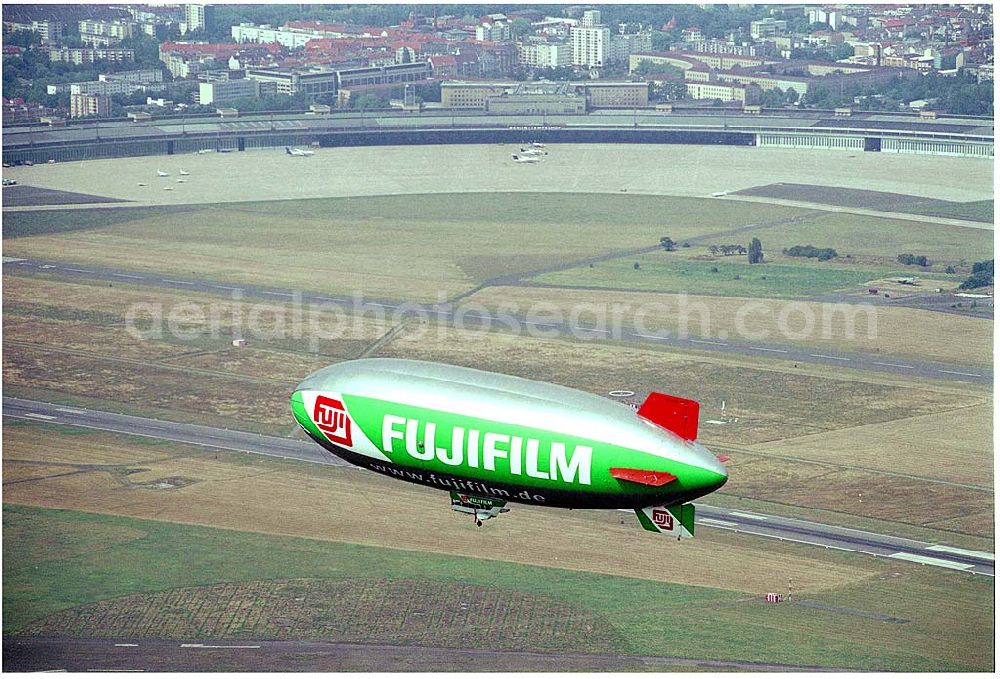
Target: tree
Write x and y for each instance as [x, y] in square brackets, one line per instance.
[668, 244]
[755, 253]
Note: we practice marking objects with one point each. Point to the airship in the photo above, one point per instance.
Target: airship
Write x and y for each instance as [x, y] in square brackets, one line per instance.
[491, 439]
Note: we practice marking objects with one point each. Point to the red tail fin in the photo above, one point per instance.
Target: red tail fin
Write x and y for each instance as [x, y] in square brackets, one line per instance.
[679, 415]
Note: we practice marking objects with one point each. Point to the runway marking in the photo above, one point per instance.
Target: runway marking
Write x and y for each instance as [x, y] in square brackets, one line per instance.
[74, 411]
[893, 365]
[835, 358]
[11, 260]
[217, 646]
[930, 561]
[387, 306]
[39, 416]
[485, 318]
[721, 344]
[280, 294]
[777, 351]
[226, 287]
[638, 334]
[167, 280]
[125, 275]
[545, 325]
[66, 268]
[126, 645]
[955, 372]
[606, 332]
[748, 516]
[717, 522]
[961, 552]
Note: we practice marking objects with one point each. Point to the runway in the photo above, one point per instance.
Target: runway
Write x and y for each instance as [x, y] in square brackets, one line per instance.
[37, 654]
[448, 313]
[820, 536]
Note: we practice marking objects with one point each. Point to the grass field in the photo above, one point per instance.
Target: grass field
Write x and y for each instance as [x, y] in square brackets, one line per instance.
[891, 331]
[139, 578]
[979, 210]
[413, 247]
[730, 276]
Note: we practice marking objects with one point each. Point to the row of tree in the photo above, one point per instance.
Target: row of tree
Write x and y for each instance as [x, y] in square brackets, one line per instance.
[982, 276]
[911, 260]
[822, 254]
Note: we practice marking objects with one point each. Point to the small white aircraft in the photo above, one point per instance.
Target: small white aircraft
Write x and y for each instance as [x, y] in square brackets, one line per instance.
[525, 159]
[204, 151]
[537, 145]
[533, 152]
[168, 188]
[142, 184]
[182, 181]
[184, 173]
[298, 152]
[161, 173]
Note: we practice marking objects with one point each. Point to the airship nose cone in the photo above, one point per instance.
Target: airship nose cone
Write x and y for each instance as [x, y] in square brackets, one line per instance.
[712, 474]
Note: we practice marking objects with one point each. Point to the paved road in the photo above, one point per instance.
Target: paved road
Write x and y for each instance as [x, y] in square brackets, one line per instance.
[775, 527]
[36, 654]
[476, 318]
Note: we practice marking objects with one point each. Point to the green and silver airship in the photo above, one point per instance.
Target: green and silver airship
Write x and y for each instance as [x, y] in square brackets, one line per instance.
[490, 439]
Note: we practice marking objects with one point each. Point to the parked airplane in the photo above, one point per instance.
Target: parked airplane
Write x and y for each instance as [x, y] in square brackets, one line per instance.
[525, 159]
[537, 145]
[533, 152]
[161, 173]
[298, 152]
[184, 173]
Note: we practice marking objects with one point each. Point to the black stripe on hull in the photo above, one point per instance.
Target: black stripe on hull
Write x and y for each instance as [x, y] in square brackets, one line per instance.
[505, 491]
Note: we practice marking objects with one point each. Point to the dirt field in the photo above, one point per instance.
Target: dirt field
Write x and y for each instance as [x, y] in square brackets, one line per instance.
[656, 169]
[900, 332]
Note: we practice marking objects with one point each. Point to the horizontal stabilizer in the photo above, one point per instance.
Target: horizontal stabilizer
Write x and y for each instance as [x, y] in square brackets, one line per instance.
[643, 476]
[676, 414]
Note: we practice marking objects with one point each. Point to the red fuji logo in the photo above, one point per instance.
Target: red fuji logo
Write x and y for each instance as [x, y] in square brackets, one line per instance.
[332, 419]
[663, 519]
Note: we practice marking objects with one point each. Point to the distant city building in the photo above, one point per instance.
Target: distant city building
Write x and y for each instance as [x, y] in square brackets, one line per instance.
[96, 33]
[292, 37]
[720, 47]
[591, 45]
[496, 31]
[591, 18]
[82, 105]
[745, 94]
[227, 91]
[197, 17]
[545, 54]
[50, 32]
[543, 97]
[767, 28]
[88, 55]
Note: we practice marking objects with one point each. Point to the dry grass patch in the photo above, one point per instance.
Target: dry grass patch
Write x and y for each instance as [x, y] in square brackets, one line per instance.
[899, 332]
[259, 363]
[858, 493]
[81, 336]
[148, 388]
[954, 445]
